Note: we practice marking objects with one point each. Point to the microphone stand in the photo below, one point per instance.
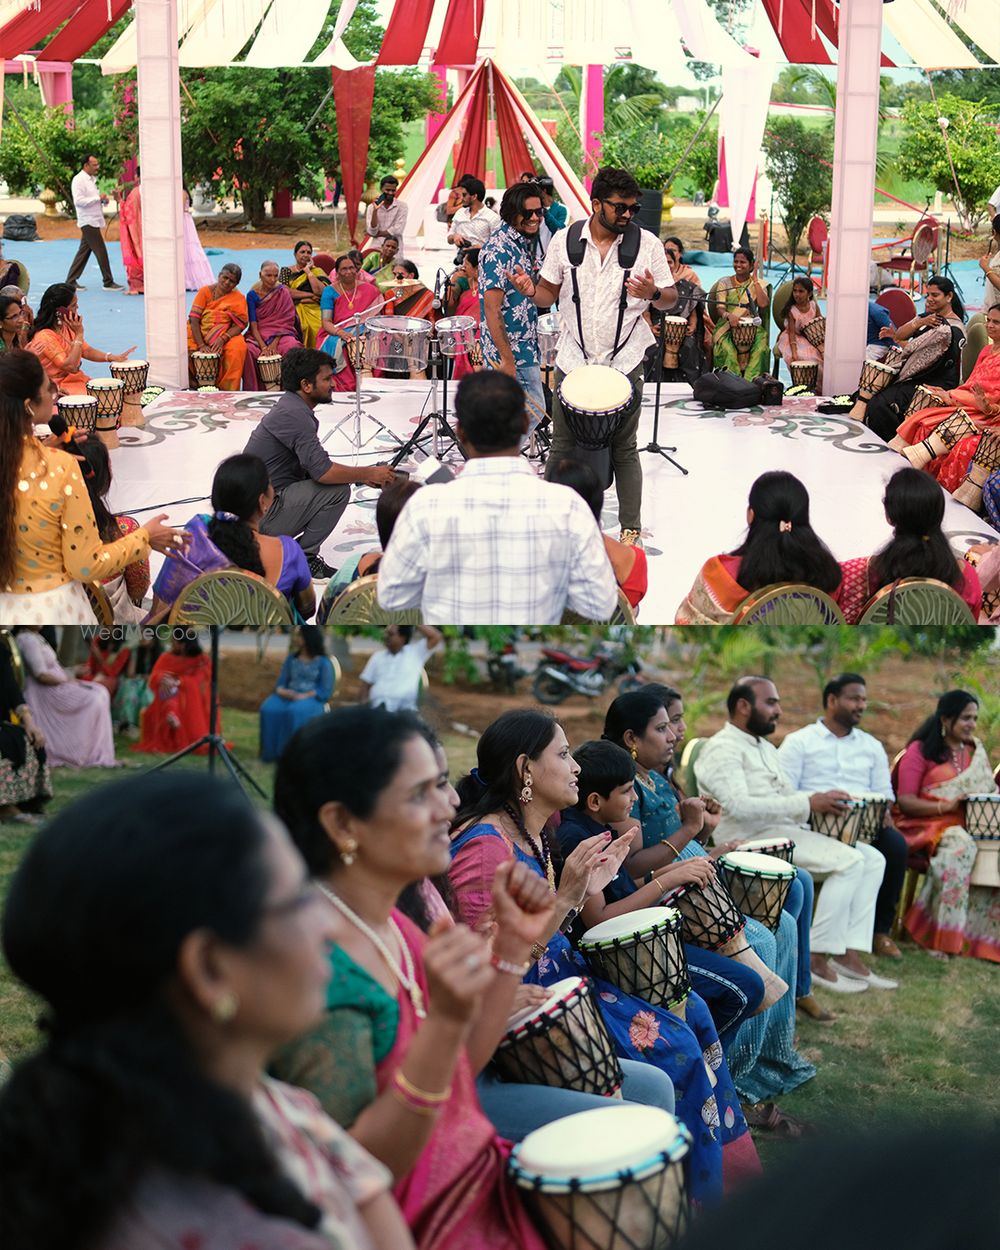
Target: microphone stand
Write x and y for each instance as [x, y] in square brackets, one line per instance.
[356, 321]
[653, 446]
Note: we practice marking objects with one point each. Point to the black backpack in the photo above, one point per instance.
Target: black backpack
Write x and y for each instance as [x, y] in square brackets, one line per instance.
[722, 389]
[21, 228]
[628, 253]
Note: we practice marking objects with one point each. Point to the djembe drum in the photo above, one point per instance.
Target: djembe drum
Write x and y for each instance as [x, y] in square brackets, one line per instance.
[875, 376]
[872, 819]
[743, 335]
[895, 357]
[985, 459]
[780, 848]
[713, 921]
[607, 1179]
[79, 410]
[982, 822]
[594, 399]
[564, 1042]
[133, 374]
[922, 398]
[842, 825]
[205, 367]
[814, 332]
[642, 952]
[942, 439]
[674, 334]
[269, 372]
[804, 373]
[110, 396]
[759, 884]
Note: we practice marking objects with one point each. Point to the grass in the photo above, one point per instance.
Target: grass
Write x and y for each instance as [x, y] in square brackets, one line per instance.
[922, 1052]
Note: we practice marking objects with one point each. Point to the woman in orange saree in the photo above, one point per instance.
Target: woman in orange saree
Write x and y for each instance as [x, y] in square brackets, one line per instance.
[130, 234]
[944, 764]
[179, 712]
[57, 340]
[216, 323]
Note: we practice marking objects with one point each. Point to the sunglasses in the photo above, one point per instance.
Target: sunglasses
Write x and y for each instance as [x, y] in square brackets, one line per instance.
[400, 275]
[533, 212]
[622, 210]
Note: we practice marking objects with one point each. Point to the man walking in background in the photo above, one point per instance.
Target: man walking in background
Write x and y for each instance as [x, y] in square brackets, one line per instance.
[89, 204]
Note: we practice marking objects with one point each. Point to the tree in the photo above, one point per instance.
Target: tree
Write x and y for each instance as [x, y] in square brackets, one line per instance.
[653, 155]
[802, 183]
[50, 152]
[973, 147]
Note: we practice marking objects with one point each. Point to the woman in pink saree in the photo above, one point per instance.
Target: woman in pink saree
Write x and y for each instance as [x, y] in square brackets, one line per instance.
[468, 306]
[341, 300]
[130, 235]
[410, 1018]
[272, 330]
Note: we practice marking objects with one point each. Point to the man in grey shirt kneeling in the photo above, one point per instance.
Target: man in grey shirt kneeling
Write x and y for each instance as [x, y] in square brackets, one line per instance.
[310, 490]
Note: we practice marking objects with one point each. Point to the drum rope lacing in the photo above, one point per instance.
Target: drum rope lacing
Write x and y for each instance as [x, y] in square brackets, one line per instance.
[405, 975]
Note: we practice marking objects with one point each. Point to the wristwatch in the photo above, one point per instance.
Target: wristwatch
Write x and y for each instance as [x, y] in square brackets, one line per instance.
[656, 295]
[567, 924]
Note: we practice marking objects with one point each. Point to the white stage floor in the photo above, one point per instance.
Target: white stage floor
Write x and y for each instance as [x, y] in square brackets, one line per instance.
[686, 518]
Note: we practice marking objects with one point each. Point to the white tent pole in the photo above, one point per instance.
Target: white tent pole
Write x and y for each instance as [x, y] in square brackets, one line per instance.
[854, 150]
[161, 178]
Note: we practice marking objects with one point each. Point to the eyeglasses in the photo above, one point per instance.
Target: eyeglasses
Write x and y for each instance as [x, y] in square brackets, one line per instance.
[533, 212]
[400, 275]
[622, 210]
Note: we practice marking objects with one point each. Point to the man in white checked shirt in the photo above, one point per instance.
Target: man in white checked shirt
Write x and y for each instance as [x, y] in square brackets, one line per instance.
[498, 546]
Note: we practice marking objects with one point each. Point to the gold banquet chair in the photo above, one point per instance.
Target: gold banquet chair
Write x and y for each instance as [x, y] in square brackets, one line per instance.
[230, 597]
[916, 601]
[788, 603]
[100, 602]
[357, 604]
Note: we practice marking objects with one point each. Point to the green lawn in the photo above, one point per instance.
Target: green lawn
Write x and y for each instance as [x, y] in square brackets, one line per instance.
[923, 1051]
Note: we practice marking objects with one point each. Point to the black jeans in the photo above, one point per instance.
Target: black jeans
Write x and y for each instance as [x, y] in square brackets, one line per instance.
[892, 844]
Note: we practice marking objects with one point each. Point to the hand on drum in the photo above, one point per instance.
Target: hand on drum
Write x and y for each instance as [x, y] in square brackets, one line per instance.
[522, 909]
[528, 997]
[698, 871]
[164, 539]
[642, 288]
[457, 963]
[829, 802]
[579, 865]
[124, 356]
[724, 848]
[378, 475]
[607, 866]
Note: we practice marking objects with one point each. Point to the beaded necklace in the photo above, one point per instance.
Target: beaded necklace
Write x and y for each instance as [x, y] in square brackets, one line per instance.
[542, 854]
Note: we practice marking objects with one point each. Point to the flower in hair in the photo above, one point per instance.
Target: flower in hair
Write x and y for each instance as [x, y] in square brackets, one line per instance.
[476, 777]
[225, 516]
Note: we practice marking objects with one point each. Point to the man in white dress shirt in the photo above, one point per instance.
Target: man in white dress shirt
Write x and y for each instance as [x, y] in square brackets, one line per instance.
[393, 675]
[740, 769]
[89, 204]
[387, 216]
[609, 328]
[498, 546]
[834, 753]
[473, 224]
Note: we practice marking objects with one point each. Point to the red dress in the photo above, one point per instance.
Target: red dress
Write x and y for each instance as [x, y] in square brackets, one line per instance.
[179, 712]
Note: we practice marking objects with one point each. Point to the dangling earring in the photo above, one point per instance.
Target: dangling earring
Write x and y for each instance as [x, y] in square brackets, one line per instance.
[526, 795]
[634, 753]
[226, 1007]
[347, 854]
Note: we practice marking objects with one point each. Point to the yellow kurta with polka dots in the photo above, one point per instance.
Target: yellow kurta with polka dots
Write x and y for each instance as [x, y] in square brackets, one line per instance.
[55, 531]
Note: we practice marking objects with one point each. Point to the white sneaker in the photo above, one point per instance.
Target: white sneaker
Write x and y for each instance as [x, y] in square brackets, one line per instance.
[872, 979]
[840, 985]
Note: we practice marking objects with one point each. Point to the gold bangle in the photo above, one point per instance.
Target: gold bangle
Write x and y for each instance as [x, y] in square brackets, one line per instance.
[667, 842]
[415, 1091]
[411, 1104]
[538, 949]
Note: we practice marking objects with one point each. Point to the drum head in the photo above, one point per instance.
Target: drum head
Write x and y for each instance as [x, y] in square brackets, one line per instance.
[399, 325]
[631, 924]
[595, 388]
[753, 861]
[454, 324]
[557, 992]
[595, 1147]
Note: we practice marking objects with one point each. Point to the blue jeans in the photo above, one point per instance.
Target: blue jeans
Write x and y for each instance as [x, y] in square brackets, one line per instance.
[530, 377]
[799, 905]
[517, 1110]
[732, 990]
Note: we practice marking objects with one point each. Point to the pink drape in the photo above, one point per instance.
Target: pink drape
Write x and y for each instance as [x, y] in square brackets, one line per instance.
[90, 23]
[30, 26]
[459, 43]
[406, 33]
[471, 158]
[513, 148]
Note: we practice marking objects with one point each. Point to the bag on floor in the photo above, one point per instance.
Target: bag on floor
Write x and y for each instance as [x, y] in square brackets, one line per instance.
[21, 228]
[772, 390]
[722, 389]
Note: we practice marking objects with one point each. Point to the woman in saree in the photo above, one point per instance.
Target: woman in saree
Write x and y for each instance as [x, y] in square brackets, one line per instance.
[742, 295]
[216, 323]
[914, 507]
[339, 303]
[13, 327]
[780, 546]
[467, 305]
[799, 311]
[932, 356]
[130, 233]
[945, 763]
[272, 326]
[25, 783]
[760, 1051]
[410, 1018]
[306, 282]
[179, 713]
[524, 775]
[990, 265]
[57, 340]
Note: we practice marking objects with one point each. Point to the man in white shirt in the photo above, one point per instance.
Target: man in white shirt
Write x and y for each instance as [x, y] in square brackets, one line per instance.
[740, 769]
[392, 677]
[608, 327]
[89, 204]
[833, 753]
[387, 216]
[473, 224]
[498, 546]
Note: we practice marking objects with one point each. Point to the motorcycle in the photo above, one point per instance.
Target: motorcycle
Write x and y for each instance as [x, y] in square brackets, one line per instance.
[502, 666]
[560, 674]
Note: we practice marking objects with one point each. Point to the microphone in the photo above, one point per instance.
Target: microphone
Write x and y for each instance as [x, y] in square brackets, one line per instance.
[436, 303]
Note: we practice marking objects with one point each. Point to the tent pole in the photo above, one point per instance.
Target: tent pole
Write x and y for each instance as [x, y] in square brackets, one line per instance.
[492, 117]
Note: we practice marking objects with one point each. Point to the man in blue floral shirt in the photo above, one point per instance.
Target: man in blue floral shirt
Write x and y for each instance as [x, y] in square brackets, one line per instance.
[509, 319]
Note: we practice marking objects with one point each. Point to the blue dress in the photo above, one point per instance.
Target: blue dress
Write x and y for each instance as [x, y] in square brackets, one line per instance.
[685, 1051]
[280, 718]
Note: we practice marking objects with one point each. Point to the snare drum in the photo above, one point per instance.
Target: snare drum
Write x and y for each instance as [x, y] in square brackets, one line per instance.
[872, 819]
[564, 1042]
[674, 333]
[804, 373]
[269, 372]
[397, 343]
[843, 825]
[205, 366]
[133, 374]
[759, 884]
[548, 339]
[79, 410]
[607, 1179]
[642, 953]
[982, 822]
[941, 439]
[110, 396]
[594, 399]
[875, 375]
[780, 848]
[814, 332]
[456, 335]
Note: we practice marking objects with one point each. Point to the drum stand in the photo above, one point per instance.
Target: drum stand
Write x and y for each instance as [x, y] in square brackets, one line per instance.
[438, 421]
[653, 447]
[354, 438]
